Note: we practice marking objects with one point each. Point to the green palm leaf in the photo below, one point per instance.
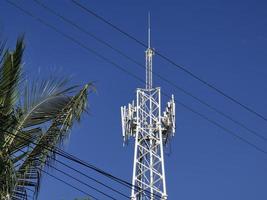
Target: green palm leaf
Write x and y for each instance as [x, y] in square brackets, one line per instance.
[30, 122]
[42, 102]
[10, 76]
[29, 172]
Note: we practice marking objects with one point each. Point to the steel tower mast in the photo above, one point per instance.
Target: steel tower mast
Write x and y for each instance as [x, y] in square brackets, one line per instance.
[151, 130]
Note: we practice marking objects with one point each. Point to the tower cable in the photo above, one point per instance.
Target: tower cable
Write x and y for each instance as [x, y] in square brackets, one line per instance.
[91, 178]
[131, 74]
[61, 180]
[74, 178]
[213, 87]
[179, 88]
[136, 77]
[70, 157]
[66, 183]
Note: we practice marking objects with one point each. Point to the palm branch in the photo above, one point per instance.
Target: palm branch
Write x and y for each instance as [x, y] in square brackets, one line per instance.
[29, 172]
[10, 75]
[31, 130]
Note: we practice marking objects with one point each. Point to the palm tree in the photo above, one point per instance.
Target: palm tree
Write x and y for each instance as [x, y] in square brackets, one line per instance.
[32, 123]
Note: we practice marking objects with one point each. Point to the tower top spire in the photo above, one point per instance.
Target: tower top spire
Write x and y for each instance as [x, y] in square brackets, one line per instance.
[149, 55]
[149, 30]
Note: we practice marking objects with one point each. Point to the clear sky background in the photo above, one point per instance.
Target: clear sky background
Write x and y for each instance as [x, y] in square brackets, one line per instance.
[224, 42]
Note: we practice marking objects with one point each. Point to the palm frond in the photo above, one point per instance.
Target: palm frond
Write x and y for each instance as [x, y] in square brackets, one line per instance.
[7, 123]
[42, 102]
[29, 173]
[44, 115]
[2, 50]
[10, 75]
[24, 139]
[7, 175]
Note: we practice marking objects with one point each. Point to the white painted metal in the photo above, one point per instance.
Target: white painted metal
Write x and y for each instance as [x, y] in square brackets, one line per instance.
[151, 131]
[149, 54]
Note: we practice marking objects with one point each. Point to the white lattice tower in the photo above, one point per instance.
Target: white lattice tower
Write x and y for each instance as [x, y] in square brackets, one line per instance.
[151, 131]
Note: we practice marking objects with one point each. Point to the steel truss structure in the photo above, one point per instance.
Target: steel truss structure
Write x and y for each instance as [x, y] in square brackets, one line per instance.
[151, 130]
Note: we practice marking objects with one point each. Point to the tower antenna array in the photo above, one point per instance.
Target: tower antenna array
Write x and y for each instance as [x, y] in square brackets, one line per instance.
[151, 131]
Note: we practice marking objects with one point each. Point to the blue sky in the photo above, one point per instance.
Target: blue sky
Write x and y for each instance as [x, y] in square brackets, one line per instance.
[224, 42]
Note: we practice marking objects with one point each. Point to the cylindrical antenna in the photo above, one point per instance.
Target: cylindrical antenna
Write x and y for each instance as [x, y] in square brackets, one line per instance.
[148, 29]
[149, 54]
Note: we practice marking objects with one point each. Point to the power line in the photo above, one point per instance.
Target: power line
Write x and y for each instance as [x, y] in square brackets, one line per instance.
[66, 183]
[187, 107]
[74, 178]
[82, 182]
[75, 25]
[98, 55]
[89, 177]
[81, 173]
[219, 125]
[73, 40]
[70, 157]
[137, 78]
[179, 88]
[53, 176]
[251, 110]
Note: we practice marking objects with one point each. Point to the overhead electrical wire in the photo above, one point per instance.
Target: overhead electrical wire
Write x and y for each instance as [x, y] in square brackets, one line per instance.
[66, 183]
[61, 180]
[179, 88]
[135, 76]
[190, 73]
[219, 125]
[70, 157]
[74, 178]
[75, 25]
[72, 168]
[91, 178]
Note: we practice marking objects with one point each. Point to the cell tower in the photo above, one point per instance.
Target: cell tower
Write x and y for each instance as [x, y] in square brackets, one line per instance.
[151, 131]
